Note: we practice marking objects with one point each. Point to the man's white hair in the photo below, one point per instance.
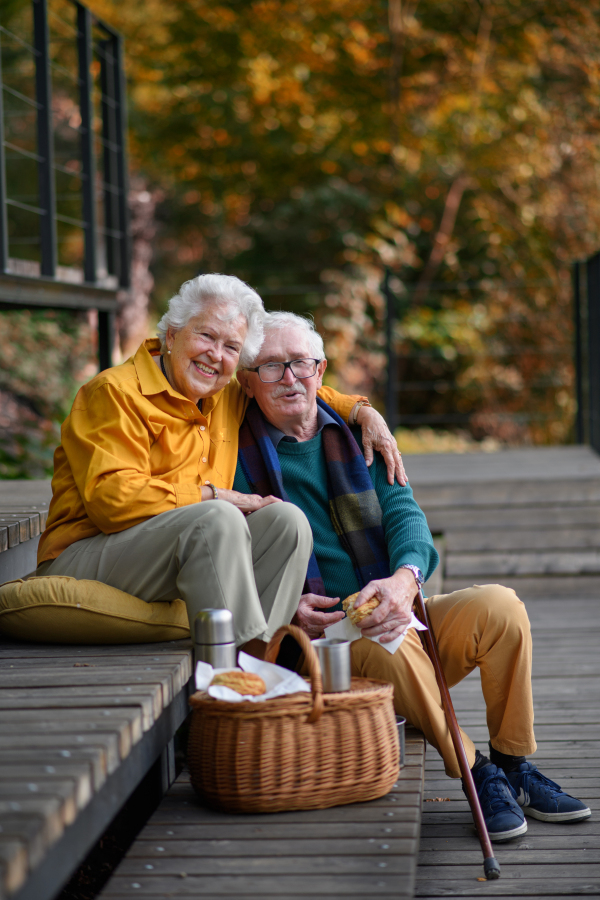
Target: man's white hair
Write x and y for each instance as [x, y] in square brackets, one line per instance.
[231, 298]
[280, 321]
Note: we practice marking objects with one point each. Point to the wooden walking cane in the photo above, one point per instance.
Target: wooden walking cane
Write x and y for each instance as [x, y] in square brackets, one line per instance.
[490, 864]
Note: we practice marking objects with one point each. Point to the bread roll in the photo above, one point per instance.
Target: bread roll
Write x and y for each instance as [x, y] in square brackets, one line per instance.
[242, 682]
[357, 616]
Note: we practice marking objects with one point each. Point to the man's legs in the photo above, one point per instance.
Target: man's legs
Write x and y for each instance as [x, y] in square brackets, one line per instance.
[211, 556]
[484, 626]
[491, 626]
[416, 694]
[473, 627]
[487, 626]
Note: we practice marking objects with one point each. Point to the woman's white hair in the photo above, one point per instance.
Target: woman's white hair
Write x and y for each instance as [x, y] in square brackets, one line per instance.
[285, 320]
[230, 296]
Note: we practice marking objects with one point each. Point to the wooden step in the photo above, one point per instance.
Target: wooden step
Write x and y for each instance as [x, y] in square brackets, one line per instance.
[565, 586]
[23, 515]
[549, 464]
[79, 729]
[510, 493]
[543, 517]
[499, 565]
[520, 539]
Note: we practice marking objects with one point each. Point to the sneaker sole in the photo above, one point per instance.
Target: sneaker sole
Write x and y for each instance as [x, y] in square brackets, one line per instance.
[575, 816]
[499, 836]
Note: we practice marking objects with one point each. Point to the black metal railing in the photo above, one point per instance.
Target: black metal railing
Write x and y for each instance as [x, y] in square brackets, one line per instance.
[586, 290]
[63, 169]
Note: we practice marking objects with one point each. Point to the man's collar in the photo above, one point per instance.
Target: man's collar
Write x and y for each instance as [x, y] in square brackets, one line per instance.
[323, 419]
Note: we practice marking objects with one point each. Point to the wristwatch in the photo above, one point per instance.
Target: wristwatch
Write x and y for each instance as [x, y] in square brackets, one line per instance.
[416, 572]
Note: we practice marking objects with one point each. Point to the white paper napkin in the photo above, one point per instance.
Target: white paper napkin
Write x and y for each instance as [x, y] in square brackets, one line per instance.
[278, 681]
[349, 632]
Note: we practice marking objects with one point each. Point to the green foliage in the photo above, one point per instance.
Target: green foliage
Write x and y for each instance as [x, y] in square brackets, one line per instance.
[45, 357]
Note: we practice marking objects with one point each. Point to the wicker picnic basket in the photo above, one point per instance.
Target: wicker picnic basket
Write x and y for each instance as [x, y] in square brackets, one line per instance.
[300, 751]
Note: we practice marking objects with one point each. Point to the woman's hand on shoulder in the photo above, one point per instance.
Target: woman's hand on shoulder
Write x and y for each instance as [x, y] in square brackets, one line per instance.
[377, 436]
[246, 503]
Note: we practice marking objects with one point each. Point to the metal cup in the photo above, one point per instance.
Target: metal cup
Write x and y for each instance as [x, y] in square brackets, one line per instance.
[401, 723]
[334, 657]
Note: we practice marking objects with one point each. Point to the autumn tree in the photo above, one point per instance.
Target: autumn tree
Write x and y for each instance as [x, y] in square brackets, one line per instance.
[306, 147]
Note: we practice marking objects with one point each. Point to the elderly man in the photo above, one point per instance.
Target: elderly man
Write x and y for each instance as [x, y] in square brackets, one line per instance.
[372, 537]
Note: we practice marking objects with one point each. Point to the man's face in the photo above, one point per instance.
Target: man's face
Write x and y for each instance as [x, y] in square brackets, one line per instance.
[291, 399]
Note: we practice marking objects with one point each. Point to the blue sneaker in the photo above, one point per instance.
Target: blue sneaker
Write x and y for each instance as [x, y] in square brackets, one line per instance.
[543, 799]
[503, 815]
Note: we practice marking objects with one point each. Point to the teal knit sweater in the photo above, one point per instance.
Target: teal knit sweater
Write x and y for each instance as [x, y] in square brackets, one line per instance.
[304, 475]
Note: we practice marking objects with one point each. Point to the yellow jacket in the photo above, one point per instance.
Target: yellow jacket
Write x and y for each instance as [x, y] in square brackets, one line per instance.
[133, 447]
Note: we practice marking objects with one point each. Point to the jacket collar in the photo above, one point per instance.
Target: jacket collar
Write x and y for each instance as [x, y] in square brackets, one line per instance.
[152, 381]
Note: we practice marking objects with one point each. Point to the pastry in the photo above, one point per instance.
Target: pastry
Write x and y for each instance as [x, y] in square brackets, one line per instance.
[357, 616]
[243, 682]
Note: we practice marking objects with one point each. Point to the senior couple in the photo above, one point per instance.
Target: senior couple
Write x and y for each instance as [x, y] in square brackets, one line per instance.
[258, 494]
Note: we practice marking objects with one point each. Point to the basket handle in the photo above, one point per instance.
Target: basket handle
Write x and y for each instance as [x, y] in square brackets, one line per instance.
[312, 660]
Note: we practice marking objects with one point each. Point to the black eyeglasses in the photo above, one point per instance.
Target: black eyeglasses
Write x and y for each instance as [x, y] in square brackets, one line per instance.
[275, 371]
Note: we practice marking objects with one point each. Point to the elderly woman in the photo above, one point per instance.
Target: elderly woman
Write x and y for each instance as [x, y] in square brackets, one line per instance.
[142, 495]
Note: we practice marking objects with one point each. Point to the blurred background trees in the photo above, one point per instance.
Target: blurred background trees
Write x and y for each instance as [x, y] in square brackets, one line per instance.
[305, 147]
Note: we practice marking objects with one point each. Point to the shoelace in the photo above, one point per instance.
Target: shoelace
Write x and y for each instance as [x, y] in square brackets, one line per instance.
[496, 783]
[534, 775]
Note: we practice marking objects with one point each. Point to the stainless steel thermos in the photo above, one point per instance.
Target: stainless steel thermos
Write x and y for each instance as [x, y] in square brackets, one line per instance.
[214, 640]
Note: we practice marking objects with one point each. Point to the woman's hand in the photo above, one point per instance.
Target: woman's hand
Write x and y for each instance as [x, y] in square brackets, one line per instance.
[377, 436]
[396, 596]
[247, 503]
[310, 619]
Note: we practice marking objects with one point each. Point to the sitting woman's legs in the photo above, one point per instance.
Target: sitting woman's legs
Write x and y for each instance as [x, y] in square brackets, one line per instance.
[206, 554]
[282, 542]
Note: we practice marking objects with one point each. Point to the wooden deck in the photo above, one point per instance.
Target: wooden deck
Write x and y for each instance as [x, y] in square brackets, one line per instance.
[531, 520]
[365, 849]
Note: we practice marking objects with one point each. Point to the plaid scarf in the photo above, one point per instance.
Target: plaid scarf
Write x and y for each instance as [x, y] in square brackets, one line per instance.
[353, 504]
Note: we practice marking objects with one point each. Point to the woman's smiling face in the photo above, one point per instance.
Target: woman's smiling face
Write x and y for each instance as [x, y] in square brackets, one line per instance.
[205, 352]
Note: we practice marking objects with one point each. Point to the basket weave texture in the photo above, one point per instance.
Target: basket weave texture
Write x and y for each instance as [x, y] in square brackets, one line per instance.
[300, 751]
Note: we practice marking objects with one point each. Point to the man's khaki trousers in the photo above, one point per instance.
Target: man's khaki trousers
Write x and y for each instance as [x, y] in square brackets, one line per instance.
[484, 626]
[208, 554]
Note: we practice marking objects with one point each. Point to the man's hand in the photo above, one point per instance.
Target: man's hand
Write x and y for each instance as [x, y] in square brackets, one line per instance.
[247, 503]
[377, 436]
[309, 618]
[396, 595]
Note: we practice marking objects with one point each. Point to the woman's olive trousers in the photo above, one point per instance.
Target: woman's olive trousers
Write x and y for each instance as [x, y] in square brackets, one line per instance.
[208, 554]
